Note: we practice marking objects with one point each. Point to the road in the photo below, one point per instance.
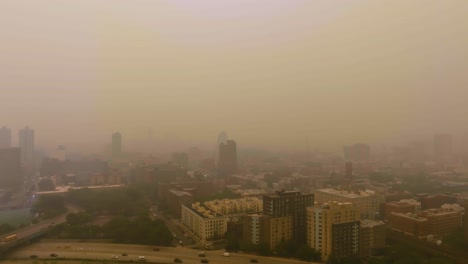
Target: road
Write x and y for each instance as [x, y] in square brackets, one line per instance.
[29, 230]
[172, 226]
[105, 251]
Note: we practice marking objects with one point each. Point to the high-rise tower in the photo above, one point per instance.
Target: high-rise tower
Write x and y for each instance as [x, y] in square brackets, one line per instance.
[26, 145]
[116, 145]
[227, 163]
[5, 137]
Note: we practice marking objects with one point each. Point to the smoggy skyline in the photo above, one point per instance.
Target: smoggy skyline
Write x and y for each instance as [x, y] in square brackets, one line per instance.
[273, 73]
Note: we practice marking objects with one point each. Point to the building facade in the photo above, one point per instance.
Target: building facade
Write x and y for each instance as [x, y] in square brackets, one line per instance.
[10, 168]
[368, 201]
[26, 144]
[333, 225]
[290, 203]
[5, 137]
[403, 206]
[204, 223]
[227, 163]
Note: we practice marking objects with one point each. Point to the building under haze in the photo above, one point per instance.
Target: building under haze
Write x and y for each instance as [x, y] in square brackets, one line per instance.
[442, 146]
[26, 145]
[10, 168]
[286, 207]
[357, 152]
[334, 228]
[5, 137]
[116, 145]
[227, 163]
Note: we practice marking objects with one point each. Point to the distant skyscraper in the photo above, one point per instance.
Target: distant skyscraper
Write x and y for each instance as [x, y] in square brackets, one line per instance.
[442, 145]
[26, 145]
[227, 163]
[116, 145]
[5, 137]
[10, 167]
[357, 152]
[222, 138]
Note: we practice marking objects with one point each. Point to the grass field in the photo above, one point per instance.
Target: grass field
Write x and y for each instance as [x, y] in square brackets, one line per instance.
[15, 217]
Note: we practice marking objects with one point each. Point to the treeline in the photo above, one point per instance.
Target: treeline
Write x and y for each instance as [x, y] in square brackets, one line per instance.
[48, 206]
[286, 249]
[138, 230]
[116, 201]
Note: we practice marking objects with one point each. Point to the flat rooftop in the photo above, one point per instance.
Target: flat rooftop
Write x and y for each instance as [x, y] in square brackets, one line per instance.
[347, 194]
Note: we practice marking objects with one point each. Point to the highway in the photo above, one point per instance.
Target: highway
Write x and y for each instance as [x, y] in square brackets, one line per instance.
[35, 228]
[105, 251]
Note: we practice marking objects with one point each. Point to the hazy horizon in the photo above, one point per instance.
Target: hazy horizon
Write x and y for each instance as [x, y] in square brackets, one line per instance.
[274, 74]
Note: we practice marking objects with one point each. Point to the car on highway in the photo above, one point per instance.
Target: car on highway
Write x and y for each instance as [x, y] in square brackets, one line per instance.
[124, 254]
[155, 249]
[142, 258]
[115, 257]
[225, 254]
[53, 255]
[33, 256]
[177, 260]
[204, 261]
[253, 261]
[201, 253]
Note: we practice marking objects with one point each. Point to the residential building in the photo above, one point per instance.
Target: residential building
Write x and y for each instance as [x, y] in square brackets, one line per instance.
[276, 230]
[289, 203]
[436, 201]
[235, 206]
[403, 206]
[367, 201]
[373, 236]
[204, 223]
[175, 200]
[333, 228]
[435, 222]
[252, 228]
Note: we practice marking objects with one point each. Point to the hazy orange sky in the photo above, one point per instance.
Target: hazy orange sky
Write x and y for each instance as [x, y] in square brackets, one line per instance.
[273, 73]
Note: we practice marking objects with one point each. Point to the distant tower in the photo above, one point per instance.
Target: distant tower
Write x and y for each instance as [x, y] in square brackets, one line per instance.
[227, 163]
[116, 145]
[26, 145]
[222, 138]
[5, 137]
[349, 174]
[442, 146]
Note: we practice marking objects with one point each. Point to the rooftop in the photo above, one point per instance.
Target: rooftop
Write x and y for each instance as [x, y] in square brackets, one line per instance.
[348, 194]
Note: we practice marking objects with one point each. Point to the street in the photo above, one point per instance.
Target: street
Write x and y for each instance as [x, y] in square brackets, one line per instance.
[105, 251]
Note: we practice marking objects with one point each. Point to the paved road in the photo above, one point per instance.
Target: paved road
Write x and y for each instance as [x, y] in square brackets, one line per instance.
[179, 236]
[29, 230]
[164, 255]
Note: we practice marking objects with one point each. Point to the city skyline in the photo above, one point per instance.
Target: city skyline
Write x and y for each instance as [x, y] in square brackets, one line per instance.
[275, 74]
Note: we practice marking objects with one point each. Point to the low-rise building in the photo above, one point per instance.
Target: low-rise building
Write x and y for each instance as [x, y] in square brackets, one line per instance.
[433, 222]
[235, 206]
[403, 206]
[367, 201]
[203, 222]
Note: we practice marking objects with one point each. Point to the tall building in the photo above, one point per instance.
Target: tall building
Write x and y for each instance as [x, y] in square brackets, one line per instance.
[227, 163]
[442, 146]
[116, 145]
[368, 201]
[10, 167]
[252, 226]
[334, 228]
[357, 152]
[402, 206]
[289, 204]
[373, 236]
[5, 137]
[180, 159]
[26, 144]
